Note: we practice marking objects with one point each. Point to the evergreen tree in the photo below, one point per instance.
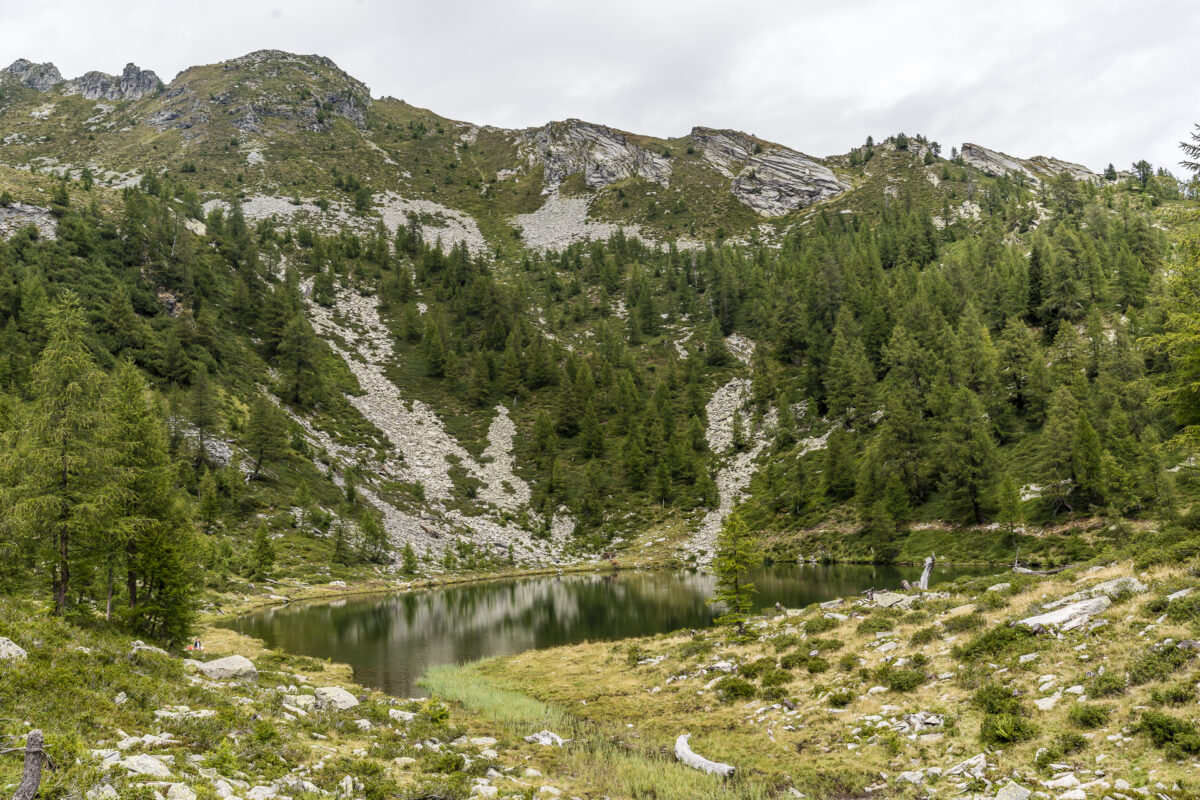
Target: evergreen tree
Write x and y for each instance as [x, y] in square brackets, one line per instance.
[60, 464]
[266, 434]
[204, 411]
[408, 560]
[968, 451]
[264, 553]
[738, 552]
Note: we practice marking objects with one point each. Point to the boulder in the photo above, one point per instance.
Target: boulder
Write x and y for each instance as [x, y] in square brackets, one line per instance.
[142, 764]
[229, 668]
[892, 600]
[1067, 613]
[300, 700]
[546, 739]
[334, 697]
[999, 587]
[11, 651]
[180, 791]
[1109, 589]
[1013, 791]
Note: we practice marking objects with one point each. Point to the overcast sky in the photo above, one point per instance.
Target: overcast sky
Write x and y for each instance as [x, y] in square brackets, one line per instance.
[1092, 81]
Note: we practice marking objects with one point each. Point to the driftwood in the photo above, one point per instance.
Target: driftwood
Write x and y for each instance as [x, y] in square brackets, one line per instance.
[1017, 568]
[691, 759]
[34, 757]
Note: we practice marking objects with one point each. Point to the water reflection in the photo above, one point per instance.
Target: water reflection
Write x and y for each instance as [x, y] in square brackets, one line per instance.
[390, 640]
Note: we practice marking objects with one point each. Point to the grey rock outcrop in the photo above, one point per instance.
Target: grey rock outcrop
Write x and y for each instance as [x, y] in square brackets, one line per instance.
[601, 155]
[40, 77]
[770, 179]
[1036, 169]
[252, 104]
[131, 84]
[1068, 616]
[20, 215]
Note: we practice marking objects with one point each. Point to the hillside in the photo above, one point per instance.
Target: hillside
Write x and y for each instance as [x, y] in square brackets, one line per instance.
[373, 340]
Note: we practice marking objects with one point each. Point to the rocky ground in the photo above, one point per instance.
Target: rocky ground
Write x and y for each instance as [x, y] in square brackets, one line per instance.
[424, 452]
[1076, 686]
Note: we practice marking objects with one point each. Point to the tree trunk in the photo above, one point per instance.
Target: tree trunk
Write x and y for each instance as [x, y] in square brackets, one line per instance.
[34, 756]
[925, 573]
[109, 596]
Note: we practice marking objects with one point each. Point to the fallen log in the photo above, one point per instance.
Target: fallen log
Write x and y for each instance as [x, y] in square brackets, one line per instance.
[686, 756]
[1027, 571]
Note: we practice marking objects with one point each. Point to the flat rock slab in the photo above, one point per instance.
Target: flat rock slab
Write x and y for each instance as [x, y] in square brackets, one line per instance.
[1065, 614]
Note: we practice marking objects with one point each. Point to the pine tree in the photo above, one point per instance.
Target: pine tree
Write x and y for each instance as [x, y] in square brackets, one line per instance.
[60, 464]
[266, 437]
[738, 552]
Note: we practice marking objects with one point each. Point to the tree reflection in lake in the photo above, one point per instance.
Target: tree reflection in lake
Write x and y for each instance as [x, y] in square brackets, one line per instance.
[390, 640]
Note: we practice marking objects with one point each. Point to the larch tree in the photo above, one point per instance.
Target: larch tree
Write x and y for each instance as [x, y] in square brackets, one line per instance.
[60, 462]
[266, 434]
[738, 552]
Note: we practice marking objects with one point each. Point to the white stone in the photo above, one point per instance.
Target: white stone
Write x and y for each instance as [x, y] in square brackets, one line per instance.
[914, 777]
[546, 739]
[400, 715]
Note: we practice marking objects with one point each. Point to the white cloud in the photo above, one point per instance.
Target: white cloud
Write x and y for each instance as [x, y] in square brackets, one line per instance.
[1084, 80]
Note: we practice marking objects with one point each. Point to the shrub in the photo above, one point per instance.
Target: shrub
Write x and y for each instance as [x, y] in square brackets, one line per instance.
[1070, 742]
[825, 645]
[994, 642]
[1157, 663]
[816, 664]
[755, 668]
[963, 623]
[1109, 684]
[1003, 729]
[991, 601]
[847, 662]
[1175, 735]
[900, 680]
[776, 677]
[841, 698]
[732, 688]
[781, 643]
[1173, 695]
[1087, 716]
[1184, 610]
[996, 699]
[876, 623]
[794, 660]
[819, 625]
[925, 635]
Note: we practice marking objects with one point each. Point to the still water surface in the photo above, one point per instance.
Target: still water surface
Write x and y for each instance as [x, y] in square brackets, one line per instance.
[390, 640]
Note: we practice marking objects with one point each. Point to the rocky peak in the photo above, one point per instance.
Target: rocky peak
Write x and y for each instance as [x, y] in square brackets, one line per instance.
[41, 77]
[768, 178]
[131, 84]
[1036, 169]
[601, 155]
